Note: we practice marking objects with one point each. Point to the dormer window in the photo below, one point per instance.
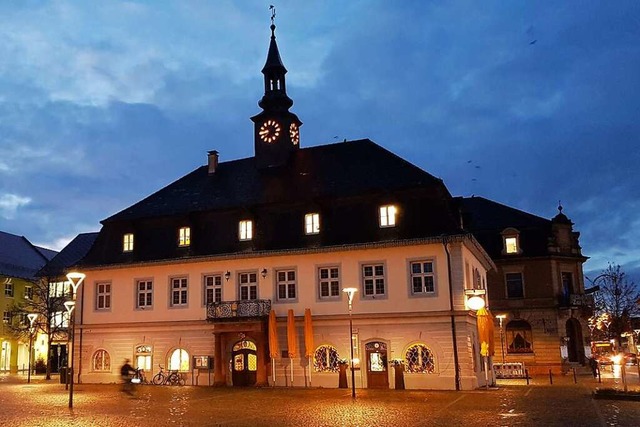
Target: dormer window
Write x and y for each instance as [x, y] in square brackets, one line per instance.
[388, 216]
[127, 242]
[245, 230]
[184, 236]
[511, 242]
[312, 223]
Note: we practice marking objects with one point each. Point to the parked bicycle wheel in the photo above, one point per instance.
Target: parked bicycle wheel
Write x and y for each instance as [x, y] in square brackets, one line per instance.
[158, 378]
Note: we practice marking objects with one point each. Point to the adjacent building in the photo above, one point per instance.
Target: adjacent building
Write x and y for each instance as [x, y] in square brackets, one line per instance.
[186, 278]
[537, 287]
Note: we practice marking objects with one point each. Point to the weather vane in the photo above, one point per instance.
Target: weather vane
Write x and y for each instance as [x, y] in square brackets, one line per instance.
[272, 8]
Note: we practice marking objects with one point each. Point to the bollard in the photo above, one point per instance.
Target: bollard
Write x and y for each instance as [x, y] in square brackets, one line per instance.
[550, 377]
[599, 377]
[575, 379]
[526, 373]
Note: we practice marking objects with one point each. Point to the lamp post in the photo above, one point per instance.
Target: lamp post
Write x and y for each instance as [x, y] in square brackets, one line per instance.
[350, 293]
[32, 317]
[501, 317]
[76, 280]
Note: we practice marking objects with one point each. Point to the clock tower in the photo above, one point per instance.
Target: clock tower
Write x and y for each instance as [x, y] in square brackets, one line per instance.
[276, 129]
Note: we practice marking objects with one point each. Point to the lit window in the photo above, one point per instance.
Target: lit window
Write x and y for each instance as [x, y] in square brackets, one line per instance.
[101, 361]
[127, 242]
[6, 317]
[511, 245]
[179, 360]
[28, 292]
[419, 359]
[212, 288]
[8, 288]
[143, 357]
[422, 278]
[312, 223]
[145, 293]
[515, 285]
[246, 230]
[388, 216]
[286, 284]
[103, 296]
[326, 359]
[178, 291]
[184, 236]
[373, 280]
[248, 286]
[518, 337]
[329, 282]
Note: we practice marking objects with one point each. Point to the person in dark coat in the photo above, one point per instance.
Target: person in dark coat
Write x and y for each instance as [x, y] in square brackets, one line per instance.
[593, 364]
[126, 371]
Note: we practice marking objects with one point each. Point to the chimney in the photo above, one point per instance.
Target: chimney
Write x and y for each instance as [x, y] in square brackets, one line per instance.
[213, 161]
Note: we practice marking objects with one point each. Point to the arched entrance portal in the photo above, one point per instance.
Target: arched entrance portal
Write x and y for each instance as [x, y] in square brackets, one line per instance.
[377, 376]
[244, 359]
[575, 348]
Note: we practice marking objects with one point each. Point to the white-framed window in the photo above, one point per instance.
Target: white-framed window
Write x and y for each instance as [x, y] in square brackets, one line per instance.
[248, 285]
[8, 288]
[312, 223]
[212, 288]
[179, 360]
[373, 280]
[329, 282]
[59, 289]
[179, 294]
[6, 317]
[101, 361]
[286, 285]
[127, 242]
[515, 285]
[184, 236]
[423, 278]
[245, 230]
[60, 319]
[511, 241]
[388, 215]
[144, 289]
[143, 357]
[103, 296]
[326, 359]
[28, 292]
[419, 359]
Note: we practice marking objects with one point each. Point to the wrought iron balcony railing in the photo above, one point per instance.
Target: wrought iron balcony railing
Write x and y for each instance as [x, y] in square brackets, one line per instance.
[238, 310]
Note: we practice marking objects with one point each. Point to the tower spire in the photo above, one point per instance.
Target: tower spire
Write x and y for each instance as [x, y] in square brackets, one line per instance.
[275, 91]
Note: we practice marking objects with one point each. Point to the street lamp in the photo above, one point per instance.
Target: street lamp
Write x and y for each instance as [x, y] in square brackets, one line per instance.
[76, 280]
[32, 318]
[350, 293]
[501, 317]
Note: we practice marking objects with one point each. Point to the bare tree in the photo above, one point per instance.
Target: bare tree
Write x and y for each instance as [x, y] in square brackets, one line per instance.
[52, 318]
[616, 302]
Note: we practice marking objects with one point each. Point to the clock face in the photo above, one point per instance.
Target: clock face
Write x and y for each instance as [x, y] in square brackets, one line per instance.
[294, 134]
[270, 131]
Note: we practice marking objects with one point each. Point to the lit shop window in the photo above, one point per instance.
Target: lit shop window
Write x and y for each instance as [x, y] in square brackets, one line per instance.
[388, 216]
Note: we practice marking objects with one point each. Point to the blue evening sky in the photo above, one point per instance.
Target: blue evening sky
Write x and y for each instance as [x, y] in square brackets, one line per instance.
[523, 102]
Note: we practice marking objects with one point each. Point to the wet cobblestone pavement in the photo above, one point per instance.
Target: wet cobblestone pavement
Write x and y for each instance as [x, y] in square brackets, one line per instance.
[513, 403]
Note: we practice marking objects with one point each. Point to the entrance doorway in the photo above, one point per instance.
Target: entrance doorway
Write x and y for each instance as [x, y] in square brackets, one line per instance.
[575, 348]
[377, 375]
[58, 356]
[244, 363]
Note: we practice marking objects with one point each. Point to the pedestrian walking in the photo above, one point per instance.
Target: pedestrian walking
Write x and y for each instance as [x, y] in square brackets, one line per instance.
[593, 364]
[126, 371]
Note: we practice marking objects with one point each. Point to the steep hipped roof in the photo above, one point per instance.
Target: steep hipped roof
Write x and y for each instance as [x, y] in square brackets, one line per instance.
[487, 219]
[19, 258]
[343, 169]
[69, 256]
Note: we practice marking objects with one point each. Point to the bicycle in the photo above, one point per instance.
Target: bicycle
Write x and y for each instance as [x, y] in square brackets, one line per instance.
[139, 377]
[170, 378]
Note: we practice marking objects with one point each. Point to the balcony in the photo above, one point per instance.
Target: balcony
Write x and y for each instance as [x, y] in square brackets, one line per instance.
[238, 310]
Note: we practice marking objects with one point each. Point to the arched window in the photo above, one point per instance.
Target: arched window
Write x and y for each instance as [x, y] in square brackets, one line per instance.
[101, 361]
[518, 335]
[143, 357]
[326, 359]
[179, 360]
[419, 359]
